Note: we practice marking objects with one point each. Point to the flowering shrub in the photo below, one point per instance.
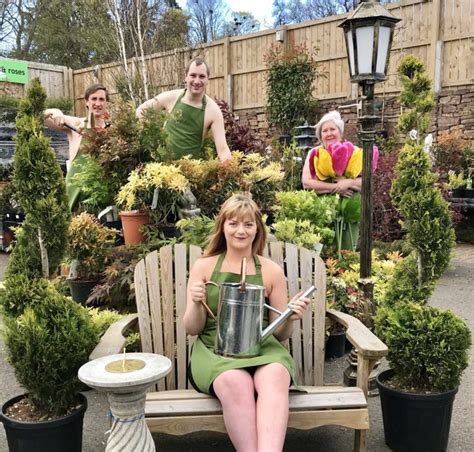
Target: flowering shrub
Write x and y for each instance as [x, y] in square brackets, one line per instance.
[213, 181]
[343, 292]
[139, 191]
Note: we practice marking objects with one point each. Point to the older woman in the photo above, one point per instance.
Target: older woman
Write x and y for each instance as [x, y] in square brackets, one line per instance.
[329, 131]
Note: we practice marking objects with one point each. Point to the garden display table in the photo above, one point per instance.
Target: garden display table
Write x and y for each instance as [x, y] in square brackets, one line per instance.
[126, 378]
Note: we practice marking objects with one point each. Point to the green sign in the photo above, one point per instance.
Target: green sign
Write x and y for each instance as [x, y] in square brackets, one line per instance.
[13, 71]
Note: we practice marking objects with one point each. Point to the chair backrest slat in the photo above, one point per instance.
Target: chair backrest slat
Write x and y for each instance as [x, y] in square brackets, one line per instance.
[143, 307]
[160, 287]
[168, 306]
[181, 271]
[306, 276]
[319, 320]
[154, 299]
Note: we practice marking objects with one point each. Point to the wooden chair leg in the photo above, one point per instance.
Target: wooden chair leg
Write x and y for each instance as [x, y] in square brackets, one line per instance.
[360, 437]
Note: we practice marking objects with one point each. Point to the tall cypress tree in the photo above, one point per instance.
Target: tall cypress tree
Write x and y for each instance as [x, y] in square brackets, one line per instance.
[40, 189]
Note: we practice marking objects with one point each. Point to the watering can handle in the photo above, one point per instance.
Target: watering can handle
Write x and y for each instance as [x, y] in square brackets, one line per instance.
[208, 309]
[283, 315]
[243, 274]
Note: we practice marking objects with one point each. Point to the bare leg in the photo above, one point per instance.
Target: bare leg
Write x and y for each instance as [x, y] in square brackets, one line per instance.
[236, 391]
[272, 382]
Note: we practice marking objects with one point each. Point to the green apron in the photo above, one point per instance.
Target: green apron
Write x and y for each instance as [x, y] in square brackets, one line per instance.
[185, 128]
[73, 190]
[206, 365]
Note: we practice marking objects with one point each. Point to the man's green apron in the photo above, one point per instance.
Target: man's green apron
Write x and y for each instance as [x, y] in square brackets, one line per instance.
[185, 130]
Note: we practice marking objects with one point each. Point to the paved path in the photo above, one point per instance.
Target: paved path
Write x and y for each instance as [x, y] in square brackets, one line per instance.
[455, 290]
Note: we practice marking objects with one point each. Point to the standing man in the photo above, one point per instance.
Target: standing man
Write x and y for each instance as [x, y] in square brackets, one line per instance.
[96, 98]
[192, 115]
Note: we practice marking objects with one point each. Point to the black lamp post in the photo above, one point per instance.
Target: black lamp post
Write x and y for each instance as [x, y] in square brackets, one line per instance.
[369, 33]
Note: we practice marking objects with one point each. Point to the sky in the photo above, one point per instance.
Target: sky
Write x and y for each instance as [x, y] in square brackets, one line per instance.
[261, 9]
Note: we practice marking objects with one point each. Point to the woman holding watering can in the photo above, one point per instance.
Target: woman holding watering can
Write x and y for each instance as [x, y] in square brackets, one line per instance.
[253, 391]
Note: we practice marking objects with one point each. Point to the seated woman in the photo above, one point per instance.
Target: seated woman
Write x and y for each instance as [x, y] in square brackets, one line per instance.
[253, 391]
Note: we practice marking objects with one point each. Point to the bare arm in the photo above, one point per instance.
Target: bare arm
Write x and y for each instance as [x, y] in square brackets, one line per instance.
[195, 315]
[218, 133]
[55, 119]
[160, 102]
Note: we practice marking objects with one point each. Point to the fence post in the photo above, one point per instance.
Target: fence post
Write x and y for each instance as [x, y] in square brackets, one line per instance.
[435, 60]
[228, 79]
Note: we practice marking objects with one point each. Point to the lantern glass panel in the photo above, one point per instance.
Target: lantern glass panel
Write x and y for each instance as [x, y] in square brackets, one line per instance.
[365, 44]
[384, 40]
[350, 48]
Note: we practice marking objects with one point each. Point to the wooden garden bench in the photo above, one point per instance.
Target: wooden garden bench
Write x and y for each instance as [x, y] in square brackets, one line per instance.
[174, 407]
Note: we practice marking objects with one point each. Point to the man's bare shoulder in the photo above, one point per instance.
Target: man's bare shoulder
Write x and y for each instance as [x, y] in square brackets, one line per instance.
[168, 97]
[212, 107]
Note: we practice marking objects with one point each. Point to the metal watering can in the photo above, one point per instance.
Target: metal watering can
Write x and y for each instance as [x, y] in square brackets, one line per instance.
[240, 315]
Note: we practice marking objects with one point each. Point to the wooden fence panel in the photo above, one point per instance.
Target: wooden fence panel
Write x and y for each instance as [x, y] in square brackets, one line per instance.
[238, 63]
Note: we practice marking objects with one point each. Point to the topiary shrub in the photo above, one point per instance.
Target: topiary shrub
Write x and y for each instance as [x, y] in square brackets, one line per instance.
[425, 217]
[416, 96]
[40, 189]
[19, 292]
[427, 346]
[46, 346]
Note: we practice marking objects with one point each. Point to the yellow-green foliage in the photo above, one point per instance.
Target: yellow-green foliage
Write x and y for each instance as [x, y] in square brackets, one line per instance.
[137, 193]
[88, 242]
[427, 346]
[416, 95]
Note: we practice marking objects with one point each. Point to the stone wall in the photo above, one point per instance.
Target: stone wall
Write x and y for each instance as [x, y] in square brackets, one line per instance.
[454, 112]
[11, 89]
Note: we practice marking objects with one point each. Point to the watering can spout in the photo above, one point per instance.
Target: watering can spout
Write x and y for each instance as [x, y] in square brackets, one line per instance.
[283, 316]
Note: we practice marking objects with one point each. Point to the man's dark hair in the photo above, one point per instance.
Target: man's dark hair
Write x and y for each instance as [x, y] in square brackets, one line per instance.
[198, 62]
[93, 88]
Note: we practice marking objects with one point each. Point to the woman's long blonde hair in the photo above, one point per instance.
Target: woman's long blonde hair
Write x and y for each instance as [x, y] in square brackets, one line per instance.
[237, 206]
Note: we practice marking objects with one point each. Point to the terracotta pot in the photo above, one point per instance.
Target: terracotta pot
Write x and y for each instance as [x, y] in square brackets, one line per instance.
[132, 222]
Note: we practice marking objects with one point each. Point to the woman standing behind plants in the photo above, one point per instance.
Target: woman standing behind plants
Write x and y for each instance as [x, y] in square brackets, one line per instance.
[96, 98]
[252, 424]
[335, 167]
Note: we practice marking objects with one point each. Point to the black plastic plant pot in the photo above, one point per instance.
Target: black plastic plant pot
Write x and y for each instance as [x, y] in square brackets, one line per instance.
[58, 435]
[415, 422]
[335, 345]
[80, 290]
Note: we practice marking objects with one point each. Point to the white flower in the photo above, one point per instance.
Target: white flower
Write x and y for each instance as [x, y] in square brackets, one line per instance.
[413, 134]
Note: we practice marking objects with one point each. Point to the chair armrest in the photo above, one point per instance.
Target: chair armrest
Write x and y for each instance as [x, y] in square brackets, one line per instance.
[367, 343]
[113, 340]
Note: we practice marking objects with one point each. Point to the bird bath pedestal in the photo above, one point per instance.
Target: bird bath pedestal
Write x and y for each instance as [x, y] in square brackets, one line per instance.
[126, 378]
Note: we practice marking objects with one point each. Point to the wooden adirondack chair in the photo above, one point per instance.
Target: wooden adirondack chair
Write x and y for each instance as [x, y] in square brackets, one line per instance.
[174, 407]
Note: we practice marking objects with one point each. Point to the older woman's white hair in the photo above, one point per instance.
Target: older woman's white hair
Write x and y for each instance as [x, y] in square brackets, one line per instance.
[333, 116]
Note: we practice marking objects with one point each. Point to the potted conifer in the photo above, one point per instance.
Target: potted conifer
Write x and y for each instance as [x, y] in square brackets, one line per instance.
[155, 188]
[88, 243]
[48, 337]
[428, 354]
